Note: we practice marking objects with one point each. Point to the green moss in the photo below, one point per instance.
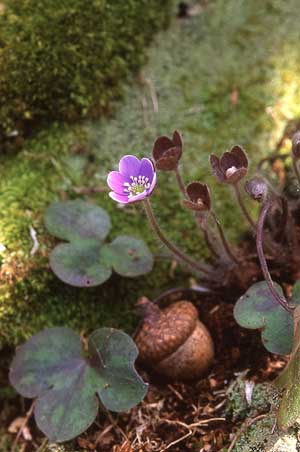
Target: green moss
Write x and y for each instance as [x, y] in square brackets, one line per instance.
[69, 59]
[193, 68]
[263, 397]
[259, 435]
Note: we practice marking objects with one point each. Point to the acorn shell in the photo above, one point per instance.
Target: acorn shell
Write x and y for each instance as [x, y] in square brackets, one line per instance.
[175, 343]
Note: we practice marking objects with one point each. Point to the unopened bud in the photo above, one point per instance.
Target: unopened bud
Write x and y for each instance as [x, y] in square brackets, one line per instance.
[257, 188]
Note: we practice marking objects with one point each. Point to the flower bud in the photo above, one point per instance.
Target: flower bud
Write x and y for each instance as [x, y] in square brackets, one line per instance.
[257, 189]
[167, 152]
[231, 167]
[199, 197]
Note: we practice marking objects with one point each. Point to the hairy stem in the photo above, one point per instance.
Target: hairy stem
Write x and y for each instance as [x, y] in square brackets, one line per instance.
[173, 248]
[224, 241]
[180, 181]
[296, 169]
[209, 244]
[261, 256]
[243, 207]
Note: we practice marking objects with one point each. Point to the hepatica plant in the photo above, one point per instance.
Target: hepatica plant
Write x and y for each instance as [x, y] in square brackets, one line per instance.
[85, 259]
[68, 379]
[264, 305]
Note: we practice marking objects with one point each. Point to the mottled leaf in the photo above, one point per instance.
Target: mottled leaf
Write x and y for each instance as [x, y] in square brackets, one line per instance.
[74, 220]
[257, 309]
[80, 264]
[51, 366]
[128, 256]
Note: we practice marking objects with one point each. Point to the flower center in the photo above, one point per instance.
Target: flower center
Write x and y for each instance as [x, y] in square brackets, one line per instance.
[138, 185]
[231, 171]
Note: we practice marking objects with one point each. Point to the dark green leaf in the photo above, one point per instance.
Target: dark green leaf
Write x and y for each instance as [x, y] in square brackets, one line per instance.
[79, 264]
[74, 220]
[257, 309]
[51, 367]
[128, 256]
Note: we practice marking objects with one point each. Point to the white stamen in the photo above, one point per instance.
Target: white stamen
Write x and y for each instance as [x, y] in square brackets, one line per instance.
[138, 183]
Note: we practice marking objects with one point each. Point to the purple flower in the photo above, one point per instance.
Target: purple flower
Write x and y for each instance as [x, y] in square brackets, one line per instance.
[134, 181]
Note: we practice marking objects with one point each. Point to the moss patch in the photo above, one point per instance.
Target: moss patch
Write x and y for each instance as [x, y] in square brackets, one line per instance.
[67, 60]
[228, 75]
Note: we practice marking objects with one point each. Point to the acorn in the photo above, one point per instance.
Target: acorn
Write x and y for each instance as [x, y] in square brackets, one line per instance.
[172, 341]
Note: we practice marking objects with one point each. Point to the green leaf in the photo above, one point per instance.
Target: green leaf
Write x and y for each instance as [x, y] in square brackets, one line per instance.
[85, 262]
[51, 367]
[75, 220]
[79, 264]
[257, 309]
[128, 256]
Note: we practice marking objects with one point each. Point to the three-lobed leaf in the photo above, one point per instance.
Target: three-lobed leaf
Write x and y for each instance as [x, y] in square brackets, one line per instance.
[76, 220]
[51, 367]
[128, 256]
[257, 309]
[85, 261]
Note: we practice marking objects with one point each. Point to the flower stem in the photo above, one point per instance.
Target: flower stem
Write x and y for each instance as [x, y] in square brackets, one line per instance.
[284, 217]
[180, 182]
[173, 248]
[262, 259]
[243, 207]
[225, 243]
[296, 169]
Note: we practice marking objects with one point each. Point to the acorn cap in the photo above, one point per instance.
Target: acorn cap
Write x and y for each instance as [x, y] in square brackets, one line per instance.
[162, 336]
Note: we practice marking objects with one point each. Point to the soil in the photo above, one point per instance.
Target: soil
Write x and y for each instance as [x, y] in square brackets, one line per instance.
[182, 417]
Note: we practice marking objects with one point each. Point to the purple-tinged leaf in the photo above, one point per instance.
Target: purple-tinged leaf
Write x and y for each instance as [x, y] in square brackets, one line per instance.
[257, 309]
[51, 367]
[128, 256]
[75, 220]
[79, 264]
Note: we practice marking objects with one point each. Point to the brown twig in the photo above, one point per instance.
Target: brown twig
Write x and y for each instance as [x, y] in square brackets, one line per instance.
[24, 423]
[42, 446]
[189, 427]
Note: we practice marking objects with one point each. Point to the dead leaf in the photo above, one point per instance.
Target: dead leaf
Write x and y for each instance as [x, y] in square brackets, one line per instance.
[15, 426]
[125, 447]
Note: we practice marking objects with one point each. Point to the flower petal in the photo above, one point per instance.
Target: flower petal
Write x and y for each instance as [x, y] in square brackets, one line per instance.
[119, 198]
[150, 190]
[160, 146]
[228, 160]
[138, 197]
[147, 169]
[216, 168]
[240, 155]
[177, 139]
[129, 165]
[115, 181]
